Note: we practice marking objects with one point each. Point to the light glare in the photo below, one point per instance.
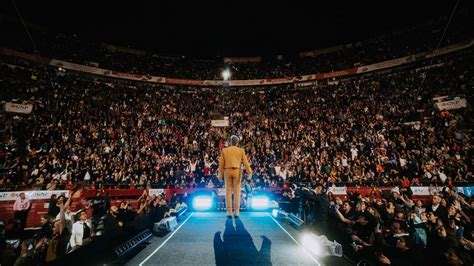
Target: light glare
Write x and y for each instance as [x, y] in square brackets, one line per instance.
[275, 213]
[226, 74]
[260, 202]
[311, 244]
[202, 203]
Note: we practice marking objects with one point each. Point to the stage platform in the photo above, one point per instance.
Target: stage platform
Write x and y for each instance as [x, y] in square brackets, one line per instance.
[209, 238]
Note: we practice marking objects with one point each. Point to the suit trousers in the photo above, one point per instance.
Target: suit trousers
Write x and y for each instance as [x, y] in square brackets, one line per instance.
[232, 185]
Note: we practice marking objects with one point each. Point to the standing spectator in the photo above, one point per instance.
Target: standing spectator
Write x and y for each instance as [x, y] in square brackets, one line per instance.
[114, 227]
[81, 231]
[53, 209]
[107, 201]
[436, 208]
[97, 207]
[21, 208]
[58, 244]
[321, 207]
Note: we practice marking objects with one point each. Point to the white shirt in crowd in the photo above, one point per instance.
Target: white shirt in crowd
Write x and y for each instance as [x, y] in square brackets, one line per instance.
[403, 162]
[354, 153]
[78, 232]
[277, 170]
[87, 176]
[443, 176]
[193, 166]
[283, 174]
[344, 161]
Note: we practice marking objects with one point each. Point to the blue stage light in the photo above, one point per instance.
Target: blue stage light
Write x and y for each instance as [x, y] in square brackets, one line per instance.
[260, 203]
[202, 203]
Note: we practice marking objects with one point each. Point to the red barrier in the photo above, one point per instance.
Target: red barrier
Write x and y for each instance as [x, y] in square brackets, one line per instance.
[40, 206]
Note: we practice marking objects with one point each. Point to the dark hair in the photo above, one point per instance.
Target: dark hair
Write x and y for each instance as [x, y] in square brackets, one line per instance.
[408, 241]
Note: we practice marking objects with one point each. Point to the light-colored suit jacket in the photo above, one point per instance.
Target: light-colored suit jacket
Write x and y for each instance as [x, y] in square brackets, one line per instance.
[232, 157]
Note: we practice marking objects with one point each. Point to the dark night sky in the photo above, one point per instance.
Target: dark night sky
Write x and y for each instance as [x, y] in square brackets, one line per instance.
[210, 28]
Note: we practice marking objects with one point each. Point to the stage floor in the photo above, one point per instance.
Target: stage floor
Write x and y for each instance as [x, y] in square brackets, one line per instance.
[209, 238]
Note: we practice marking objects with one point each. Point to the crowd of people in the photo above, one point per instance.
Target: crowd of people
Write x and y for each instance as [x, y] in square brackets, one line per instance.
[372, 129]
[401, 42]
[64, 230]
[380, 128]
[390, 227]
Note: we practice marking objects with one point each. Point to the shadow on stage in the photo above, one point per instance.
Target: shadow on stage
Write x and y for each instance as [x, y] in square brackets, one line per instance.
[236, 247]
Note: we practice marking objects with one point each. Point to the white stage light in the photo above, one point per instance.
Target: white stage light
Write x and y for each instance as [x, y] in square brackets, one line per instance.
[321, 246]
[311, 243]
[259, 202]
[226, 74]
[202, 203]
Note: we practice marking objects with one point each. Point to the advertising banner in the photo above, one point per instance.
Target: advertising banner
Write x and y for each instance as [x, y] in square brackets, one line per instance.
[18, 108]
[155, 191]
[452, 104]
[254, 82]
[385, 64]
[32, 194]
[220, 123]
[338, 190]
[242, 60]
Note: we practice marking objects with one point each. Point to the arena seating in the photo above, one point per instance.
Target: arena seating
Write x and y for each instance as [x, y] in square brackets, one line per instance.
[382, 148]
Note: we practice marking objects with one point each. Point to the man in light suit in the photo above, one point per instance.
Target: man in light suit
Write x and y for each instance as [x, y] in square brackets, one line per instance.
[81, 231]
[230, 163]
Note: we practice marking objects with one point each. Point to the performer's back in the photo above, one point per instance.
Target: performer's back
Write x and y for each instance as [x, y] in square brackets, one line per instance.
[230, 163]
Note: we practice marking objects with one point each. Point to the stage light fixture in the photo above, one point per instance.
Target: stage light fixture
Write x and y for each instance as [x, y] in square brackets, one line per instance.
[321, 246]
[311, 243]
[259, 203]
[202, 203]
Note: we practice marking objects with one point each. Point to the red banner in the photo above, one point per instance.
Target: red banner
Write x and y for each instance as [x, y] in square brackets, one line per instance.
[252, 82]
[336, 73]
[29, 57]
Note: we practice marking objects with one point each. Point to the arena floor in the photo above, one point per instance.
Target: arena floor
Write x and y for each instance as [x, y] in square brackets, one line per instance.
[209, 238]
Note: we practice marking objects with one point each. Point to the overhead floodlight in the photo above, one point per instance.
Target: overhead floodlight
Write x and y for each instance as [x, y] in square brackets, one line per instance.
[226, 74]
[202, 203]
